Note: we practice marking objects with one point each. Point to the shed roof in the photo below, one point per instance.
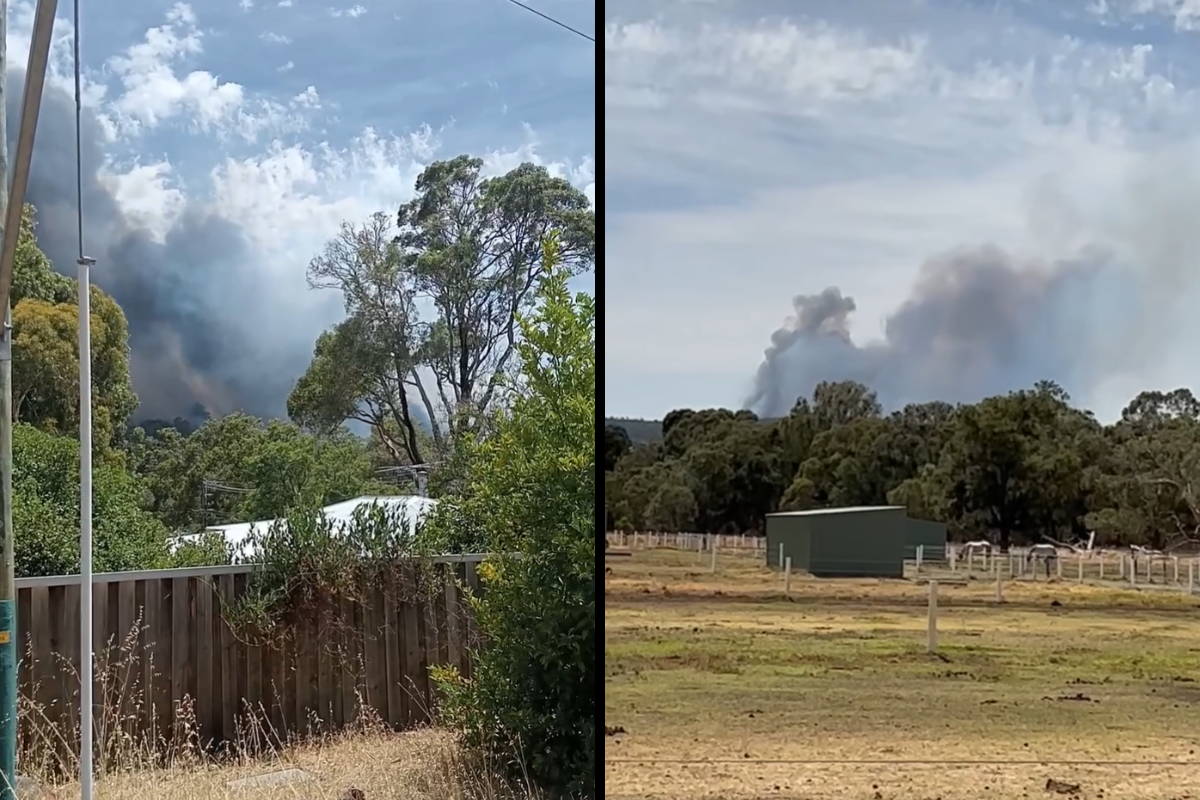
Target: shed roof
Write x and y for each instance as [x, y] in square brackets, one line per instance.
[821, 511]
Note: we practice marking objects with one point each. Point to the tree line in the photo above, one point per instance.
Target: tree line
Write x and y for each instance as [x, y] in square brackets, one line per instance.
[1023, 467]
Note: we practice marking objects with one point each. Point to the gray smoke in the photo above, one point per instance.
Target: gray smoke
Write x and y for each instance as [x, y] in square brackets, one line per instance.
[978, 322]
[196, 302]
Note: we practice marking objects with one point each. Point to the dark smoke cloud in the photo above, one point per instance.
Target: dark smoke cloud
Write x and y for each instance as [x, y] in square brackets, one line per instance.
[978, 322]
[195, 302]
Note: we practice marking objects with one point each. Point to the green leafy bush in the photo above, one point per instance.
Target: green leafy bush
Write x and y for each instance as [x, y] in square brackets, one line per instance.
[46, 511]
[530, 497]
[305, 557]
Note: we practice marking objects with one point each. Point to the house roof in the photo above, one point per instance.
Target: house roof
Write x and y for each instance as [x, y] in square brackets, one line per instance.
[410, 509]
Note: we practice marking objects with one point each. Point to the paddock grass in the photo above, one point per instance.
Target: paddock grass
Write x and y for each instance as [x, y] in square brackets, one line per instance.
[721, 669]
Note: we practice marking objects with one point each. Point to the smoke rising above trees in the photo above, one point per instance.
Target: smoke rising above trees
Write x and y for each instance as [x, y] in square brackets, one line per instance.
[978, 322]
[205, 321]
[1114, 291]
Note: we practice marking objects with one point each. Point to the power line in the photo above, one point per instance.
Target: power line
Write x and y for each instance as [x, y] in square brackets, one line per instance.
[549, 18]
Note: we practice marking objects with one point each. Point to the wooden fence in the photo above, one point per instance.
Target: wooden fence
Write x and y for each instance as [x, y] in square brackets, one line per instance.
[166, 656]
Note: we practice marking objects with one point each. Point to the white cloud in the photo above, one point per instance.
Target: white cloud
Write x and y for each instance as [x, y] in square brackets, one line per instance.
[287, 67]
[285, 3]
[245, 5]
[156, 91]
[271, 37]
[353, 11]
[1185, 14]
[750, 159]
[152, 90]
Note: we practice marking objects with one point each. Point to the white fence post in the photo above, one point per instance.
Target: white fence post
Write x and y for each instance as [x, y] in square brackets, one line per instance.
[787, 577]
[920, 557]
[781, 554]
[931, 635]
[1101, 567]
[713, 568]
[952, 553]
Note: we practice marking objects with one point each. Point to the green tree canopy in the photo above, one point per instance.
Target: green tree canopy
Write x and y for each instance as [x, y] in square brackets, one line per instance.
[433, 301]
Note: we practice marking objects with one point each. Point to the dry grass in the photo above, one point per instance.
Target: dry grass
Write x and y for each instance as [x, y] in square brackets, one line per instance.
[721, 669]
[426, 764]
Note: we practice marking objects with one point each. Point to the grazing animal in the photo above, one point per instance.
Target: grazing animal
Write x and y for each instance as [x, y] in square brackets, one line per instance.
[1149, 554]
[979, 546]
[1046, 553]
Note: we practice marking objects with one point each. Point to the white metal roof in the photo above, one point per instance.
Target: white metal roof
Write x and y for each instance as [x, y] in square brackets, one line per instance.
[409, 509]
[848, 510]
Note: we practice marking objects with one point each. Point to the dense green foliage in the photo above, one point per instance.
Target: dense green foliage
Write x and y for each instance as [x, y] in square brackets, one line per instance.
[531, 493]
[46, 511]
[1026, 466]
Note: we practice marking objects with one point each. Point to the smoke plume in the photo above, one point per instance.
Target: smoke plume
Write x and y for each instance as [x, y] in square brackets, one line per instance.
[204, 322]
[981, 321]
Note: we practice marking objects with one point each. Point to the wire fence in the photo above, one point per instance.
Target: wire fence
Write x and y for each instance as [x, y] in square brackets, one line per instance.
[700, 542]
[958, 562]
[1113, 568]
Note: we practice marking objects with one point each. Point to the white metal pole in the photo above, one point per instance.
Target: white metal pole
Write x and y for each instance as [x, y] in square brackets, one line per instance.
[86, 709]
[931, 635]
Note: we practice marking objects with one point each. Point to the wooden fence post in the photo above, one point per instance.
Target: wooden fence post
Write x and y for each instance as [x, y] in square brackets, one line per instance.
[787, 577]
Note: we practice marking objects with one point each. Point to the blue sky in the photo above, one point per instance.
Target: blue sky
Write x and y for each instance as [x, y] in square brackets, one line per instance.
[763, 149]
[285, 118]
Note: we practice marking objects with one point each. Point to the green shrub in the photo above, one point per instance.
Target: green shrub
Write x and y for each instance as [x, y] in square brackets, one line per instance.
[304, 558]
[530, 496]
[46, 511]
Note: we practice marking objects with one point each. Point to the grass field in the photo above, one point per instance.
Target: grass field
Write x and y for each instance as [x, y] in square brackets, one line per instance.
[722, 687]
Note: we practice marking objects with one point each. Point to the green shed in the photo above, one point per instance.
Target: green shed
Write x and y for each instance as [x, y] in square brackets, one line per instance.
[931, 535]
[862, 542]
